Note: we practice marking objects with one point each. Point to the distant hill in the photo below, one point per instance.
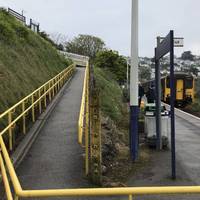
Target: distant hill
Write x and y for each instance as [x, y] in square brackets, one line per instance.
[26, 61]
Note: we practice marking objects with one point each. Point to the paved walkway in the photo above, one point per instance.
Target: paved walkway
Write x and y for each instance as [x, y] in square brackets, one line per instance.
[188, 146]
[55, 159]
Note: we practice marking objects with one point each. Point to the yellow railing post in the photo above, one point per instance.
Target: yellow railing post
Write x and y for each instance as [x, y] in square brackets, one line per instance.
[50, 91]
[10, 131]
[59, 82]
[24, 117]
[53, 88]
[40, 103]
[56, 85]
[130, 197]
[45, 97]
[33, 108]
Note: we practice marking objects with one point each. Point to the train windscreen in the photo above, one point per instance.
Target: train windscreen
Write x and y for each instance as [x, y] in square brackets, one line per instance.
[188, 83]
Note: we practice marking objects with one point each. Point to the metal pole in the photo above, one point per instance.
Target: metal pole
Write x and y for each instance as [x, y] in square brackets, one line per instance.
[127, 74]
[134, 82]
[172, 100]
[158, 101]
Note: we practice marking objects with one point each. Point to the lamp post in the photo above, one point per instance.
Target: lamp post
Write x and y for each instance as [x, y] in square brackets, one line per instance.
[134, 82]
[127, 72]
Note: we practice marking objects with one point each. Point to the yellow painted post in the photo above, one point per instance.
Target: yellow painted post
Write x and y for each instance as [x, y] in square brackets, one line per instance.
[55, 83]
[24, 117]
[59, 82]
[53, 88]
[63, 79]
[49, 91]
[40, 103]
[16, 197]
[45, 97]
[33, 108]
[10, 131]
[130, 197]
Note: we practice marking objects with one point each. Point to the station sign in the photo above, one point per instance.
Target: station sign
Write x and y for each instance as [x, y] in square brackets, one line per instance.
[178, 41]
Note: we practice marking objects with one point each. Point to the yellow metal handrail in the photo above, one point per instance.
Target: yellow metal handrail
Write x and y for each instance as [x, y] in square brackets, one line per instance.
[5, 179]
[82, 108]
[83, 122]
[35, 98]
[128, 191]
[6, 163]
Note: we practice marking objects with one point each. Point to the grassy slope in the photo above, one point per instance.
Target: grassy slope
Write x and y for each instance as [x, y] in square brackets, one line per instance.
[110, 95]
[26, 61]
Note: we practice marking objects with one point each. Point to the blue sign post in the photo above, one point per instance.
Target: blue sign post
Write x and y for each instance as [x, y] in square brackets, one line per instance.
[164, 47]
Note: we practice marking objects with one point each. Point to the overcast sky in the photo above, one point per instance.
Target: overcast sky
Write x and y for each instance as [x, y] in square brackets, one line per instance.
[110, 20]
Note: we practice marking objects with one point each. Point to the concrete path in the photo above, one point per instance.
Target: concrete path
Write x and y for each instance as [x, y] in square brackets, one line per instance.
[188, 146]
[55, 159]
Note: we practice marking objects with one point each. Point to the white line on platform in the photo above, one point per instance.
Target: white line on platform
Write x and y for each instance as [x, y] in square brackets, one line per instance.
[176, 109]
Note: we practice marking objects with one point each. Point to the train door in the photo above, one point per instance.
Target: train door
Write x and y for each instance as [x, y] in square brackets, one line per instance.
[179, 89]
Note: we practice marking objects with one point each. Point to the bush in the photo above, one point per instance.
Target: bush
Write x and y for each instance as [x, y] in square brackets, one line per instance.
[112, 61]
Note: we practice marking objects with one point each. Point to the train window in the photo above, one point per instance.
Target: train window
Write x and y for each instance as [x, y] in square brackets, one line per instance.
[188, 83]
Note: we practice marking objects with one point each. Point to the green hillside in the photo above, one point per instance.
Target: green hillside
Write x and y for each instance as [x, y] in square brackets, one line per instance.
[110, 94]
[26, 61]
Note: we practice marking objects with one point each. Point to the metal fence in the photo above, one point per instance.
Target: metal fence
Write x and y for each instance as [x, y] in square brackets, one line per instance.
[17, 15]
[34, 26]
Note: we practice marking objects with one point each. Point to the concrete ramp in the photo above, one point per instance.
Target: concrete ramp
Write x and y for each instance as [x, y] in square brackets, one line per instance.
[55, 158]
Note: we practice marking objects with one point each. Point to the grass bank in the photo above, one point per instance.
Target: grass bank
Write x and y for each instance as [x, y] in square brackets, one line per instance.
[26, 61]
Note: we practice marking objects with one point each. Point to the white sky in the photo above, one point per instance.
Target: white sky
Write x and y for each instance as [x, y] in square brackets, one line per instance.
[110, 20]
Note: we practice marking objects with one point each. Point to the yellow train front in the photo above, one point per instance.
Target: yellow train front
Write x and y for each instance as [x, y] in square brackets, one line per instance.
[184, 84]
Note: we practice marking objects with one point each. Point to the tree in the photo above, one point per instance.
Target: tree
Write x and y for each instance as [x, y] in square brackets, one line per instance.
[144, 73]
[191, 69]
[187, 55]
[86, 45]
[112, 61]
